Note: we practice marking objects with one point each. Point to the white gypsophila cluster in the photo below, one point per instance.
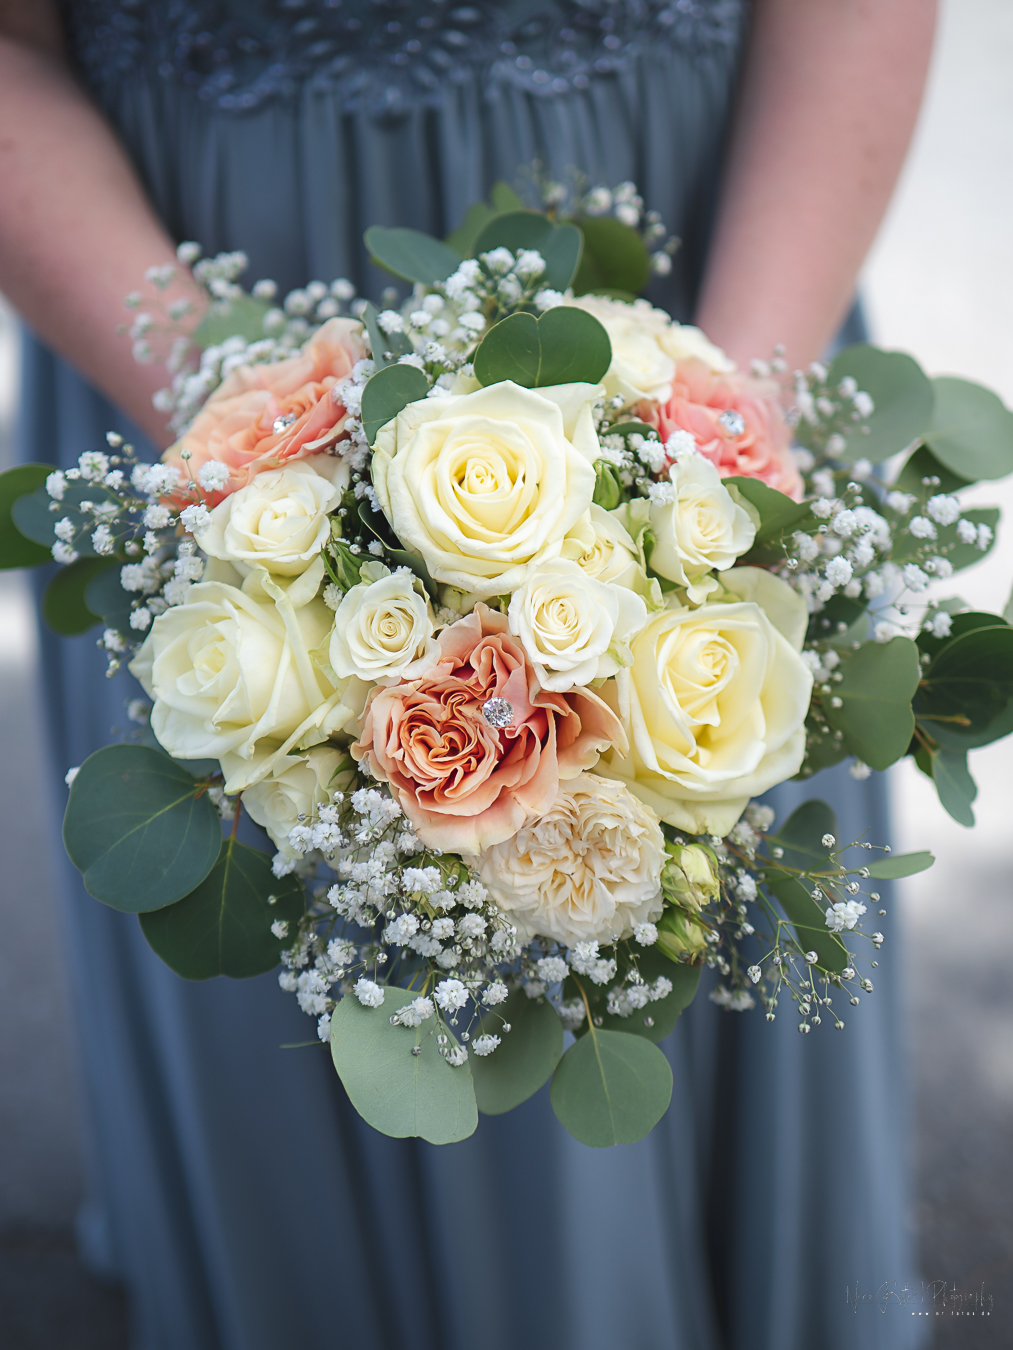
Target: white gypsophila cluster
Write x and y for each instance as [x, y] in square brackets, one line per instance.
[574, 194]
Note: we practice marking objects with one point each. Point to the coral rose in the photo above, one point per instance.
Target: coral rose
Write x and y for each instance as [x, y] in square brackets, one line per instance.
[464, 779]
[261, 417]
[736, 421]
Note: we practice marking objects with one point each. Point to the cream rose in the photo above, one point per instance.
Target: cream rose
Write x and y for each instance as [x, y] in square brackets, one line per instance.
[280, 520]
[715, 703]
[646, 346]
[486, 486]
[589, 869]
[613, 555]
[574, 629]
[288, 795]
[382, 629]
[233, 679]
[698, 525]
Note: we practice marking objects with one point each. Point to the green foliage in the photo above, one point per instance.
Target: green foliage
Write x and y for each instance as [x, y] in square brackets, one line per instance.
[564, 346]
[478, 215]
[64, 604]
[966, 692]
[223, 927]
[377, 525]
[387, 392]
[400, 1094]
[971, 432]
[840, 622]
[242, 317]
[105, 597]
[955, 787]
[610, 1088]
[801, 837]
[779, 515]
[614, 258]
[525, 1057]
[608, 492]
[900, 865]
[412, 255]
[17, 550]
[663, 1012]
[878, 683]
[922, 463]
[138, 829]
[559, 245]
[386, 347]
[902, 394]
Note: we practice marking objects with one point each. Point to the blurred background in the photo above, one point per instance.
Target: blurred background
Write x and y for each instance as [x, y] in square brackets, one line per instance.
[939, 283]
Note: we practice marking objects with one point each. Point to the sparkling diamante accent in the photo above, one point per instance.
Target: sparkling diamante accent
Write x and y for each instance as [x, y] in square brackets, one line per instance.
[283, 422]
[733, 422]
[498, 712]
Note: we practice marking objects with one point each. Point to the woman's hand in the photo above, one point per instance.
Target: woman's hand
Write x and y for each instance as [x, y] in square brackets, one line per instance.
[76, 230]
[829, 98]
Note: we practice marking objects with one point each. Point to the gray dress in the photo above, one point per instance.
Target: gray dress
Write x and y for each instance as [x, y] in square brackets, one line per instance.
[233, 1188]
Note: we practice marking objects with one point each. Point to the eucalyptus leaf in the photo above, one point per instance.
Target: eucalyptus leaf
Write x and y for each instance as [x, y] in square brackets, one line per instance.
[657, 1019]
[954, 785]
[922, 464]
[399, 1093]
[385, 347]
[242, 317]
[105, 597]
[525, 1057]
[223, 927]
[801, 836]
[15, 549]
[878, 683]
[477, 216]
[412, 255]
[64, 603]
[809, 921]
[900, 865]
[610, 1088]
[778, 513]
[387, 393]
[970, 677]
[559, 245]
[35, 515]
[138, 829]
[971, 432]
[505, 199]
[902, 395]
[614, 257]
[565, 346]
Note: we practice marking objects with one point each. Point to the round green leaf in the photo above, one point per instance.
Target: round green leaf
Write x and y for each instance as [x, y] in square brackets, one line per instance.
[657, 1019]
[559, 245]
[564, 346]
[223, 927]
[922, 464]
[900, 865]
[777, 512]
[971, 431]
[136, 829]
[614, 257]
[970, 676]
[801, 835]
[64, 604]
[525, 1057]
[610, 1088]
[399, 1093]
[105, 597]
[388, 392]
[411, 254]
[878, 684]
[15, 549]
[902, 395]
[242, 317]
[954, 785]
[35, 516]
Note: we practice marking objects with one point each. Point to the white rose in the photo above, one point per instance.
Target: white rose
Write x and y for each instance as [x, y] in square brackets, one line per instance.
[698, 526]
[233, 679]
[589, 869]
[381, 628]
[574, 629]
[715, 703]
[280, 520]
[289, 794]
[613, 556]
[646, 346]
[486, 486]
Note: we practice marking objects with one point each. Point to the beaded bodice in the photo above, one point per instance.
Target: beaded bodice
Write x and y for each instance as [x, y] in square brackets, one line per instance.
[385, 56]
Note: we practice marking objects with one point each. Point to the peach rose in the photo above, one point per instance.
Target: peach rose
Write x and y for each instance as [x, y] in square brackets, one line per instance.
[468, 772]
[753, 440]
[262, 416]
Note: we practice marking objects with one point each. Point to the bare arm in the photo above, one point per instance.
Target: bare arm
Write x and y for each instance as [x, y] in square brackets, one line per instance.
[76, 231]
[829, 99]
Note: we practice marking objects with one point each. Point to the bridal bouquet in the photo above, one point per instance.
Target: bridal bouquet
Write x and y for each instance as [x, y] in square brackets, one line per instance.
[498, 609]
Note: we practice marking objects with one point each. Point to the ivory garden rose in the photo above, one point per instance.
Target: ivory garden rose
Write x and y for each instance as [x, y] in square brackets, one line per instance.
[714, 703]
[486, 486]
[586, 869]
[383, 628]
[264, 416]
[288, 796]
[232, 677]
[473, 747]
